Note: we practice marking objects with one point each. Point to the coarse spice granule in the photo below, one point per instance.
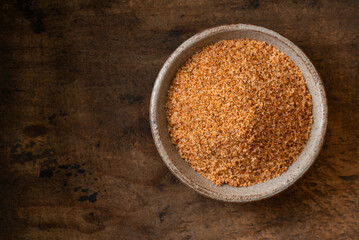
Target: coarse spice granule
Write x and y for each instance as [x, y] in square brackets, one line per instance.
[239, 112]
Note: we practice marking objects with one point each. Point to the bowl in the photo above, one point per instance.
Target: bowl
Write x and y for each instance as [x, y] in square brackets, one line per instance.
[181, 169]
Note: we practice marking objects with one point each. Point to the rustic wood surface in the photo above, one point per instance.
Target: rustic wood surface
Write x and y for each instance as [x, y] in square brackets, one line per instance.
[77, 157]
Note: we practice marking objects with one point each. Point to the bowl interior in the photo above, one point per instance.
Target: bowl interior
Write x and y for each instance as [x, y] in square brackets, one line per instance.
[179, 166]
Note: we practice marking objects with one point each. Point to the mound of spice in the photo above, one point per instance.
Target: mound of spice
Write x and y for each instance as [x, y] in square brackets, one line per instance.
[239, 112]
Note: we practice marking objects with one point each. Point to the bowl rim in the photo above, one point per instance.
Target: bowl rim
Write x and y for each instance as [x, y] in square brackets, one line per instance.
[155, 96]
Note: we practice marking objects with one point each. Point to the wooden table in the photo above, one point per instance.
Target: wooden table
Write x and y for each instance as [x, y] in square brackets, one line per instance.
[77, 156]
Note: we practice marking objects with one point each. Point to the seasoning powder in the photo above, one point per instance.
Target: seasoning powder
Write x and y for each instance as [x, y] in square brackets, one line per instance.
[239, 112]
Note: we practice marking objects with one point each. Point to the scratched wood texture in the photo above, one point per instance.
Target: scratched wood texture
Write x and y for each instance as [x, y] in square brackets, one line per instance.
[77, 157]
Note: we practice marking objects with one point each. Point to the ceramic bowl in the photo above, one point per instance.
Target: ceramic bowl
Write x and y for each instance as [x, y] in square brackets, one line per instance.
[181, 169]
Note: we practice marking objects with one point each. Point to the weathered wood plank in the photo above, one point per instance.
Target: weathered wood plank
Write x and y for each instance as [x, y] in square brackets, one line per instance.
[77, 157]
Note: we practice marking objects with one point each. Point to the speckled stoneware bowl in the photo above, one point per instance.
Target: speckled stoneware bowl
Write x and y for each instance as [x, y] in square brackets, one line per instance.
[181, 169]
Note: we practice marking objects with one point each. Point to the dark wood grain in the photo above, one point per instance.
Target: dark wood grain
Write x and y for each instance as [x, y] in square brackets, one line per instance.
[77, 157]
